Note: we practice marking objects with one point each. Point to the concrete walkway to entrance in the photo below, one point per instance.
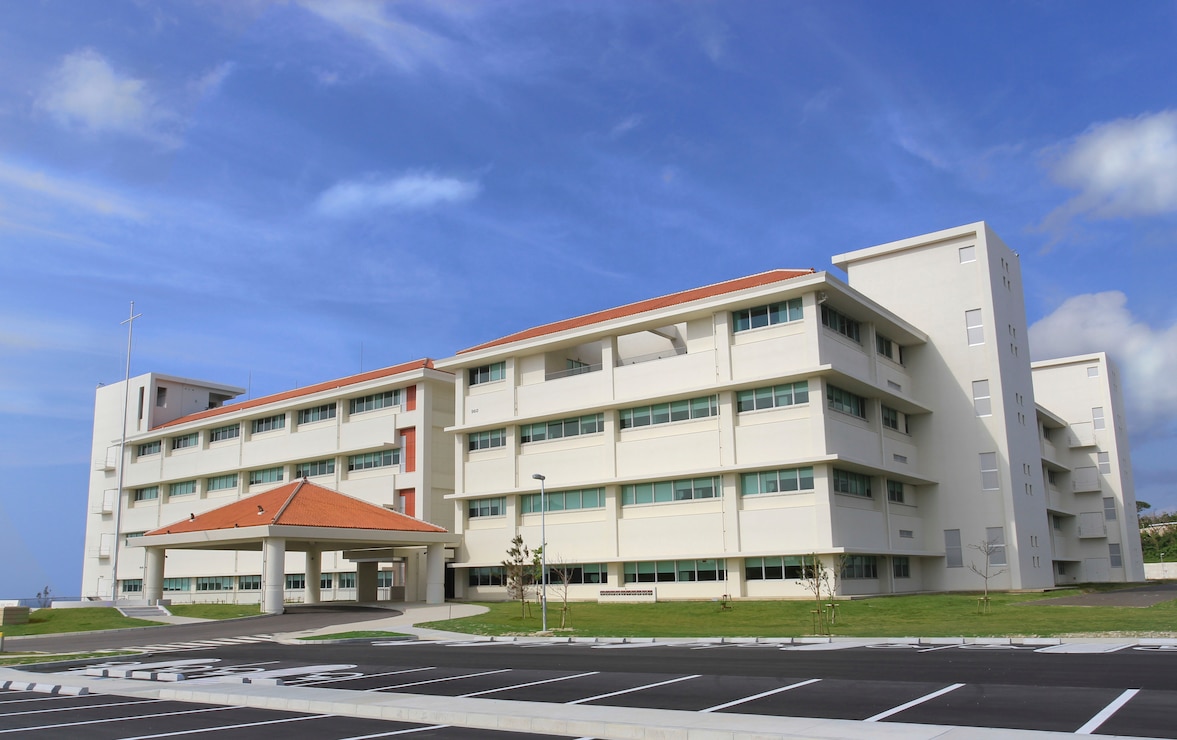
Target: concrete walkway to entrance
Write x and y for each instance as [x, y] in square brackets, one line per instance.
[401, 618]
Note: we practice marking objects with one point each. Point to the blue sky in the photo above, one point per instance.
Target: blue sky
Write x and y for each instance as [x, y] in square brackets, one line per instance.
[286, 187]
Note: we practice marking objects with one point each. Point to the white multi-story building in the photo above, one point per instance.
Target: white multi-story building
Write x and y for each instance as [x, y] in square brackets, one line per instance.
[695, 445]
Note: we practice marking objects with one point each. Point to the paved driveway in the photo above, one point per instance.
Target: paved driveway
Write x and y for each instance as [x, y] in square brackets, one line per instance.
[1141, 596]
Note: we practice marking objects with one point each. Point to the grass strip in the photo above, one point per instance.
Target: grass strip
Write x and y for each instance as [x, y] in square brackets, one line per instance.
[7, 658]
[215, 611]
[54, 621]
[354, 635]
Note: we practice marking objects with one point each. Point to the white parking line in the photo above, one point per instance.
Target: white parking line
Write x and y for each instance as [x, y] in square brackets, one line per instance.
[938, 647]
[76, 708]
[396, 732]
[913, 702]
[761, 695]
[231, 727]
[1106, 713]
[39, 698]
[371, 675]
[635, 688]
[439, 680]
[116, 719]
[530, 683]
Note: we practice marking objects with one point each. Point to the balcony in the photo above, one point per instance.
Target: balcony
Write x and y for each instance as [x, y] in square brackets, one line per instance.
[1081, 435]
[1092, 524]
[1086, 480]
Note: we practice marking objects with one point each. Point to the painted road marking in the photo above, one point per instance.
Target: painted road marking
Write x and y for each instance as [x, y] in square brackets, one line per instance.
[369, 675]
[231, 727]
[396, 732]
[117, 719]
[83, 706]
[913, 703]
[440, 680]
[635, 688]
[1106, 713]
[531, 683]
[761, 695]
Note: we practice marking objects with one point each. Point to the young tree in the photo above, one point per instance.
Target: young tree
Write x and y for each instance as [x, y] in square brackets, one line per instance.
[44, 598]
[987, 548]
[563, 572]
[816, 580]
[521, 565]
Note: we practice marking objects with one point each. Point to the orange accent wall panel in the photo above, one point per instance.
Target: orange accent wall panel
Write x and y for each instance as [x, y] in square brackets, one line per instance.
[409, 449]
[409, 499]
[411, 398]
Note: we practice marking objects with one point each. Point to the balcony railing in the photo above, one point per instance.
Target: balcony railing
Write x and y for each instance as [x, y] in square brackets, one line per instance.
[579, 370]
[669, 352]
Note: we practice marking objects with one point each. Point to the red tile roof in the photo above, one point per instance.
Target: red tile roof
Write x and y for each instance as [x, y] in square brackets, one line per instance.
[383, 372]
[299, 504]
[650, 304]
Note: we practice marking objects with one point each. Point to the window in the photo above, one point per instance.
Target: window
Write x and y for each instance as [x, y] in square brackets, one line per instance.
[385, 400]
[846, 402]
[132, 585]
[775, 568]
[495, 575]
[318, 413]
[146, 494]
[369, 460]
[773, 313]
[995, 537]
[221, 482]
[982, 401]
[486, 440]
[973, 327]
[318, 467]
[777, 481]
[347, 580]
[325, 580]
[1052, 477]
[249, 583]
[1097, 420]
[148, 448]
[161, 397]
[1105, 462]
[895, 491]
[907, 534]
[859, 567]
[384, 579]
[229, 431]
[890, 418]
[488, 373]
[591, 424]
[1114, 555]
[888, 349]
[968, 254]
[268, 424]
[586, 573]
[1109, 508]
[660, 492]
[185, 440]
[587, 498]
[953, 555]
[789, 394]
[176, 584]
[1057, 522]
[1093, 371]
[664, 413]
[855, 484]
[182, 489]
[214, 583]
[900, 567]
[990, 481]
[841, 323]
[296, 581]
[269, 475]
[482, 507]
[670, 571]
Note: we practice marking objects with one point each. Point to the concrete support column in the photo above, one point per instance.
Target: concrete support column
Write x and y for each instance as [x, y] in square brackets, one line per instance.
[412, 576]
[314, 574]
[153, 574]
[366, 582]
[274, 565]
[435, 574]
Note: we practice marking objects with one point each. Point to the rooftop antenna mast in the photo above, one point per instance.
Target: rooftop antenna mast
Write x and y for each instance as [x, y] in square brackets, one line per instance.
[118, 501]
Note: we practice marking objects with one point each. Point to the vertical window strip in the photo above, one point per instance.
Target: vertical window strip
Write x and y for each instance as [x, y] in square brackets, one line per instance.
[185, 440]
[486, 440]
[585, 498]
[268, 424]
[374, 401]
[845, 401]
[487, 373]
[686, 489]
[577, 426]
[788, 394]
[229, 431]
[182, 488]
[854, 484]
[664, 413]
[370, 460]
[268, 475]
[785, 480]
[483, 507]
[317, 413]
[974, 328]
[221, 482]
[774, 313]
[990, 479]
[954, 555]
[841, 323]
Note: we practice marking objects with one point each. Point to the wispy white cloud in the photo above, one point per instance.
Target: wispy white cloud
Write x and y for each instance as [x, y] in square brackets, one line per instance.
[405, 45]
[210, 82]
[85, 92]
[1122, 168]
[1103, 322]
[624, 127]
[413, 191]
[72, 193]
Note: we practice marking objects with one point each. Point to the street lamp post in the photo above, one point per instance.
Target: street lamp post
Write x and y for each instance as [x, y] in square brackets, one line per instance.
[543, 550]
[1162, 566]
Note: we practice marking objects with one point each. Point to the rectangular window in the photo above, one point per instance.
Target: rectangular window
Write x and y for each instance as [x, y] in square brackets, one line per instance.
[888, 349]
[182, 489]
[221, 482]
[579, 573]
[890, 418]
[1109, 508]
[895, 491]
[846, 402]
[384, 579]
[185, 441]
[1097, 420]
[982, 401]
[132, 585]
[229, 431]
[249, 583]
[577, 426]
[774, 313]
[347, 580]
[488, 373]
[1114, 555]
[776, 481]
[161, 397]
[953, 555]
[670, 571]
[841, 323]
[586, 498]
[325, 580]
[901, 567]
[214, 583]
[973, 327]
[269, 475]
[775, 568]
[995, 537]
[318, 467]
[855, 484]
[176, 584]
[495, 575]
[268, 424]
[296, 581]
[907, 534]
[990, 481]
[370, 460]
[482, 507]
[147, 448]
[385, 400]
[860, 567]
[146, 494]
[486, 440]
[664, 413]
[686, 489]
[318, 413]
[968, 254]
[789, 394]
[1104, 460]
[1057, 522]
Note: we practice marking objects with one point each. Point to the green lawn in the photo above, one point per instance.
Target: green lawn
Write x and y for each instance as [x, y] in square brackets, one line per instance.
[50, 621]
[7, 658]
[215, 611]
[938, 615]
